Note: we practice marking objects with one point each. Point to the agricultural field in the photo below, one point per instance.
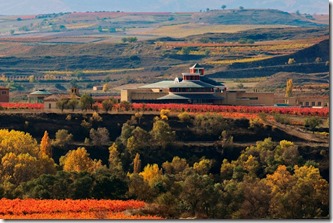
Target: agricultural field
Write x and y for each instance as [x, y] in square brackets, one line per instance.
[70, 209]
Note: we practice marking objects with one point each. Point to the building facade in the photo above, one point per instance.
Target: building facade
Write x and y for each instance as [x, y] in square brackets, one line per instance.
[4, 94]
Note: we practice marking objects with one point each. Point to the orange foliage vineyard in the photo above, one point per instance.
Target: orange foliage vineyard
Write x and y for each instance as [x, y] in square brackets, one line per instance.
[70, 209]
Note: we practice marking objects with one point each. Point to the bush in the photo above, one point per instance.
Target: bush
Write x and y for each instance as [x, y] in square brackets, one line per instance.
[184, 117]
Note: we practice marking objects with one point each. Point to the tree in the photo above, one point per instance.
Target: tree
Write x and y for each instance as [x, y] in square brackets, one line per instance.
[289, 88]
[45, 145]
[137, 163]
[223, 7]
[79, 161]
[162, 133]
[62, 138]
[241, 8]
[151, 174]
[21, 158]
[105, 87]
[176, 166]
[203, 166]
[306, 187]
[318, 60]
[312, 123]
[139, 139]
[115, 164]
[72, 103]
[291, 61]
[99, 137]
[86, 102]
[62, 103]
[108, 104]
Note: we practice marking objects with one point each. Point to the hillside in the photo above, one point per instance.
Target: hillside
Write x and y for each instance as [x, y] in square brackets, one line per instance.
[305, 63]
[253, 16]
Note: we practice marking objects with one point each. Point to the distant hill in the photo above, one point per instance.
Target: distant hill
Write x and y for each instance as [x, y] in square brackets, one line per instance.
[254, 16]
[305, 63]
[17, 7]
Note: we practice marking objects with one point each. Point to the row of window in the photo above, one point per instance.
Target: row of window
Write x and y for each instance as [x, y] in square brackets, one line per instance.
[191, 90]
[313, 103]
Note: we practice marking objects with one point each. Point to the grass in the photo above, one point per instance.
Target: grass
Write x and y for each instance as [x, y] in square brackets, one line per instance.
[184, 30]
[63, 72]
[244, 60]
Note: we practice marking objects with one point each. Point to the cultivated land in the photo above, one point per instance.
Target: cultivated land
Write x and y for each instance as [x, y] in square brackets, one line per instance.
[175, 161]
[89, 48]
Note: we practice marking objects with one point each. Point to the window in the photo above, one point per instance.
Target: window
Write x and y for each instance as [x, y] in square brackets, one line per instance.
[50, 106]
[306, 103]
[313, 103]
[319, 103]
[4, 92]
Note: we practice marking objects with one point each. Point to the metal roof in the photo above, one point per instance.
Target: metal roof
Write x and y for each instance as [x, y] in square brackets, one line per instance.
[172, 96]
[196, 65]
[191, 84]
[41, 92]
[161, 84]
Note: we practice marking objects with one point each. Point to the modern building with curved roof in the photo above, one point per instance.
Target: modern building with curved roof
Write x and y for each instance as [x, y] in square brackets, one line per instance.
[192, 87]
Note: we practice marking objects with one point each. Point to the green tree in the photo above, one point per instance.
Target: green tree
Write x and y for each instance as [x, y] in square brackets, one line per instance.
[86, 102]
[312, 123]
[62, 103]
[62, 138]
[138, 140]
[72, 103]
[100, 136]
[115, 164]
[108, 104]
[162, 134]
[223, 7]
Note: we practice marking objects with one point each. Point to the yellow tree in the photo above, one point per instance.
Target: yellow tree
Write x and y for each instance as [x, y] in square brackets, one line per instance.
[21, 159]
[45, 145]
[79, 161]
[203, 166]
[151, 174]
[289, 88]
[137, 163]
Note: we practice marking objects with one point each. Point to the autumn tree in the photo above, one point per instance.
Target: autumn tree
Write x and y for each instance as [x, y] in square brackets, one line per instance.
[137, 163]
[203, 166]
[306, 187]
[21, 158]
[45, 145]
[289, 88]
[151, 174]
[79, 161]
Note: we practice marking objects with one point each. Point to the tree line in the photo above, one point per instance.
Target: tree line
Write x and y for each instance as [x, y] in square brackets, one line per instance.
[268, 180]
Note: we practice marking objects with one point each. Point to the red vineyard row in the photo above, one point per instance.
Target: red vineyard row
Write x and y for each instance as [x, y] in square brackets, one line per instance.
[322, 112]
[69, 209]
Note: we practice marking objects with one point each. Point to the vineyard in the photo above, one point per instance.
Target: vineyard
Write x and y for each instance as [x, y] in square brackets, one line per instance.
[70, 209]
[226, 110]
